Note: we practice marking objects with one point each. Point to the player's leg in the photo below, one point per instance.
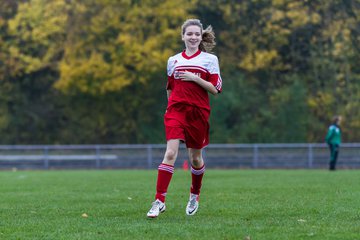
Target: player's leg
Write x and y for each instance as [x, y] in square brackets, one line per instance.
[197, 137]
[333, 155]
[166, 169]
[197, 173]
[165, 172]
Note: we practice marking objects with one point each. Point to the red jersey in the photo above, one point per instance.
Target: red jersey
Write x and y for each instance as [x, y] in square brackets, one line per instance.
[203, 64]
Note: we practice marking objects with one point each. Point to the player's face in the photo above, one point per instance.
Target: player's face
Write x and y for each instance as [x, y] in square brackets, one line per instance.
[339, 121]
[192, 37]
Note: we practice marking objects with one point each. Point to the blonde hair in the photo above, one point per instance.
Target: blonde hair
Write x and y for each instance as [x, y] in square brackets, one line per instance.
[336, 119]
[208, 35]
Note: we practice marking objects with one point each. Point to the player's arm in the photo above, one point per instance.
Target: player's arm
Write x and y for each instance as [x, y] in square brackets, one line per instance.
[168, 92]
[189, 76]
[329, 135]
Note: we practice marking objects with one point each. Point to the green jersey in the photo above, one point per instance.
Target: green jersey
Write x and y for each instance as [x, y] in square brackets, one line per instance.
[333, 135]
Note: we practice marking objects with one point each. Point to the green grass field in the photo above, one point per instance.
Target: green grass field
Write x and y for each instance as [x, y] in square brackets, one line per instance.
[235, 204]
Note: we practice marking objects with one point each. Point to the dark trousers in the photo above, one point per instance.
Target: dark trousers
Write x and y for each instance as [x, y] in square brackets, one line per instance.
[334, 152]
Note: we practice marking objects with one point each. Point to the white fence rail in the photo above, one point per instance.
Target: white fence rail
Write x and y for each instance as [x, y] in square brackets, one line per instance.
[148, 156]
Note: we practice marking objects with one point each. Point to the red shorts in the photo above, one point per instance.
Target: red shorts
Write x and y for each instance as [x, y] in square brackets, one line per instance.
[189, 124]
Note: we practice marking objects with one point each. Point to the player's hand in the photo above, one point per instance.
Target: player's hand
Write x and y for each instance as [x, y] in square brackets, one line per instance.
[188, 76]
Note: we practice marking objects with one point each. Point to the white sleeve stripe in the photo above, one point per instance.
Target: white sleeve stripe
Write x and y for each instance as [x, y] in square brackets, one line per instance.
[219, 83]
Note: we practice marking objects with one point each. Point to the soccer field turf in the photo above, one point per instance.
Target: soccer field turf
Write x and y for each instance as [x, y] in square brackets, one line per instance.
[235, 204]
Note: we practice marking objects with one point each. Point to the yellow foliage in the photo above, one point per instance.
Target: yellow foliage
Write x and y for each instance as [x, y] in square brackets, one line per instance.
[93, 76]
[227, 10]
[139, 41]
[299, 17]
[278, 2]
[338, 48]
[41, 24]
[277, 15]
[322, 99]
[315, 18]
[258, 59]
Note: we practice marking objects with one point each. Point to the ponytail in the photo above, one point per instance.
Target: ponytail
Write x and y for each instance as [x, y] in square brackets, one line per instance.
[208, 40]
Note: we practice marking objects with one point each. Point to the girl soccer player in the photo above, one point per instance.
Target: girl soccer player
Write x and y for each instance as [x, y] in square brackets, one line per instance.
[191, 75]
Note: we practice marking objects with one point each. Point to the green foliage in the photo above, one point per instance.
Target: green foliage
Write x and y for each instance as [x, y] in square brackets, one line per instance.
[95, 71]
[232, 122]
[289, 113]
[114, 117]
[277, 44]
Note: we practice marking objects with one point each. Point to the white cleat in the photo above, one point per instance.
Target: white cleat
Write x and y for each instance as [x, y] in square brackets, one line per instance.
[192, 205]
[156, 208]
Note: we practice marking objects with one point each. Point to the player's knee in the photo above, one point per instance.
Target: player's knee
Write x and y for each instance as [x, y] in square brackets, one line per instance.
[170, 155]
[196, 161]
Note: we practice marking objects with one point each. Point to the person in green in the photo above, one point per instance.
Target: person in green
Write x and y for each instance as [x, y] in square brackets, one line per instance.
[333, 139]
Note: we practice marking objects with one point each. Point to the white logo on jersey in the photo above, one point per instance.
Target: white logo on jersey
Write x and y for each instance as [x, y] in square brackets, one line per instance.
[177, 74]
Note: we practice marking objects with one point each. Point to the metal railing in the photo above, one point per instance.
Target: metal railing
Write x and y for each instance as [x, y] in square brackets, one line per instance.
[149, 156]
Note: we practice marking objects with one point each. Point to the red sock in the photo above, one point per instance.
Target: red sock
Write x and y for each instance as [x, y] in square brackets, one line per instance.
[196, 177]
[165, 173]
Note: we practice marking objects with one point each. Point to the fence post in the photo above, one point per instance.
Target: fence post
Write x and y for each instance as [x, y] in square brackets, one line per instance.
[46, 157]
[310, 156]
[97, 149]
[149, 155]
[255, 156]
[204, 154]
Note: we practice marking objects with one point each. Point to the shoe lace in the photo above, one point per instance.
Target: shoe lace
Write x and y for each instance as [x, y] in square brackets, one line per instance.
[155, 205]
[192, 202]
